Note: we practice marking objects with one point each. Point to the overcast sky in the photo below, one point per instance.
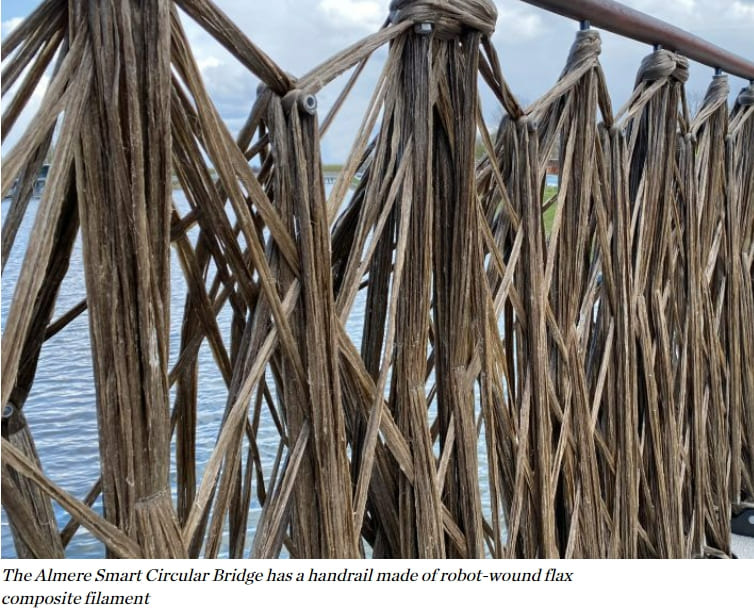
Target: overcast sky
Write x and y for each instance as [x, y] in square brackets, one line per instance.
[532, 45]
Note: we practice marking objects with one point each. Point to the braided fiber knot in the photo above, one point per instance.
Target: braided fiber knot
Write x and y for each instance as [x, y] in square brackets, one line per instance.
[586, 48]
[449, 17]
[715, 100]
[663, 64]
[717, 92]
[746, 97]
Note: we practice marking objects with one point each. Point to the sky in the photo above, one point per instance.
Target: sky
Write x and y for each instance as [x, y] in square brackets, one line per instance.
[532, 45]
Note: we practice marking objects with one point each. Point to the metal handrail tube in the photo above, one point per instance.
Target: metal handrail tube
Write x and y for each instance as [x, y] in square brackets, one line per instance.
[620, 19]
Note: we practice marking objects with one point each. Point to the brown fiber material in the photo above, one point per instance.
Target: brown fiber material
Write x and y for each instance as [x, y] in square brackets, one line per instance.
[568, 377]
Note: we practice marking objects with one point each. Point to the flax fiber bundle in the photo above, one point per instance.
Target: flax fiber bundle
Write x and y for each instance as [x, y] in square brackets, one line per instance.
[559, 378]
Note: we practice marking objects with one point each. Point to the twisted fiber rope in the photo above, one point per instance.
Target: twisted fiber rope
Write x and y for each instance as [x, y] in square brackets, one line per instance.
[663, 64]
[585, 49]
[583, 56]
[449, 20]
[716, 96]
[718, 91]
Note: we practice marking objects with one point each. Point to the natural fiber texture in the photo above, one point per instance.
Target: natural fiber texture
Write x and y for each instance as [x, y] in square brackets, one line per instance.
[568, 377]
[739, 167]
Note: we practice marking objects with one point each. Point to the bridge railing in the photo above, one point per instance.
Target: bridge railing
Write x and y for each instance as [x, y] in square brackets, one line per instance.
[445, 358]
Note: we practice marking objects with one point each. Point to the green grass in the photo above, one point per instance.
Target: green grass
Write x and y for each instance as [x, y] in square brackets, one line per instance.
[549, 215]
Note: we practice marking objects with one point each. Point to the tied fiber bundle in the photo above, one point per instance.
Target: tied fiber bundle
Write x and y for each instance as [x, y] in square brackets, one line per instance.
[541, 372]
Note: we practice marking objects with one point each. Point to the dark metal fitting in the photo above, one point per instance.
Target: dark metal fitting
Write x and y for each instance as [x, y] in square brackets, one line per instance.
[308, 103]
[305, 102]
[742, 524]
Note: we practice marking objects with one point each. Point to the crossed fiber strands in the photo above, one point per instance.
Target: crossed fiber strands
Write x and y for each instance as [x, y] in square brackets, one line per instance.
[558, 378]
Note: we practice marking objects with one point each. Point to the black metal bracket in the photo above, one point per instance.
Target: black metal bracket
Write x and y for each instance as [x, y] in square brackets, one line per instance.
[743, 523]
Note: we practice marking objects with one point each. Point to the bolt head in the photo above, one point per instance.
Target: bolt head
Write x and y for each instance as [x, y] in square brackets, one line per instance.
[310, 102]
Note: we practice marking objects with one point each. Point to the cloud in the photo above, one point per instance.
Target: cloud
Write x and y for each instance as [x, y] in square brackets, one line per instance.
[208, 62]
[518, 22]
[11, 24]
[298, 35]
[531, 64]
[27, 115]
[532, 45]
[362, 14]
[743, 10]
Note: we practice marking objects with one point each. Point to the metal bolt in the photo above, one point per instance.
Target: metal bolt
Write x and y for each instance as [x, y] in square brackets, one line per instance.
[657, 47]
[308, 103]
[751, 519]
[423, 28]
[8, 410]
[718, 72]
[584, 25]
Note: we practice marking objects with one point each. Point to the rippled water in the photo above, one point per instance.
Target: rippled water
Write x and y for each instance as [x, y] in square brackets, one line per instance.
[61, 407]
